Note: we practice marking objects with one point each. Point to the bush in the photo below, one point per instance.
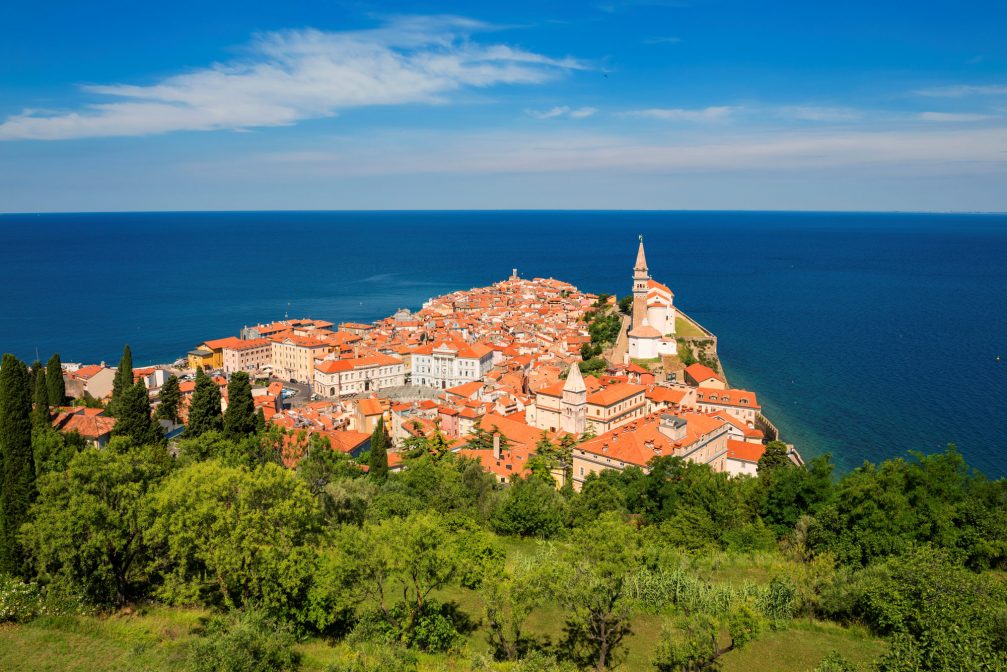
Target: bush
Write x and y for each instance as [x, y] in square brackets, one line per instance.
[19, 602]
[377, 659]
[244, 641]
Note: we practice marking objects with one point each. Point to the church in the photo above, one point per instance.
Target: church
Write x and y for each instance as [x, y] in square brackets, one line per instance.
[652, 332]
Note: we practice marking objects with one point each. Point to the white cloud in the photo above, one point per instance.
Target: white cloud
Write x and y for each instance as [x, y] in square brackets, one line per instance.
[962, 90]
[563, 111]
[303, 74]
[813, 113]
[682, 114]
[891, 151]
[952, 116]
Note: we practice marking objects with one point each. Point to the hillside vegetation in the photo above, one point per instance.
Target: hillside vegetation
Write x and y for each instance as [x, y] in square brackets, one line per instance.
[219, 558]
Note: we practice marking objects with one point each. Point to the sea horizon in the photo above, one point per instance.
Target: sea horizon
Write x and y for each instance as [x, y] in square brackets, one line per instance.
[864, 335]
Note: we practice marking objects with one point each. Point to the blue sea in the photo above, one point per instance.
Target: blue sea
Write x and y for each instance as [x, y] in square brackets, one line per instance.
[865, 335]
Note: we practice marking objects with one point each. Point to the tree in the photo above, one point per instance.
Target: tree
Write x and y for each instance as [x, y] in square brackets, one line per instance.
[17, 460]
[397, 564]
[530, 508]
[204, 407]
[169, 398]
[133, 416]
[698, 648]
[40, 409]
[377, 462]
[234, 536]
[590, 581]
[509, 596]
[775, 457]
[626, 304]
[54, 379]
[239, 418]
[53, 450]
[123, 380]
[87, 530]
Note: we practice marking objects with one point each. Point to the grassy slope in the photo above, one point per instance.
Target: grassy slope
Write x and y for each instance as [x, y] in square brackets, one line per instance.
[156, 639]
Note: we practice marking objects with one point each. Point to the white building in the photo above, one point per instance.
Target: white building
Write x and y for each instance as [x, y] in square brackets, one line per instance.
[446, 364]
[339, 377]
[652, 333]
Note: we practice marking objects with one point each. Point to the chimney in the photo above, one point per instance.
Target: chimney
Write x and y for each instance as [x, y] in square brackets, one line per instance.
[496, 445]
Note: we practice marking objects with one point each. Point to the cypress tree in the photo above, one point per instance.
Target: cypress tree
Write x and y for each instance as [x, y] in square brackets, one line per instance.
[133, 417]
[36, 366]
[204, 409]
[40, 410]
[239, 418]
[54, 379]
[123, 380]
[260, 420]
[18, 478]
[377, 465]
[170, 397]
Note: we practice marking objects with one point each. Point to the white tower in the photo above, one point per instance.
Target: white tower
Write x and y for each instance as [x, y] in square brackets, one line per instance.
[574, 404]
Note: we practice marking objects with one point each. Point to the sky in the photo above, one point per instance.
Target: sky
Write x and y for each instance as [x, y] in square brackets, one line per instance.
[606, 104]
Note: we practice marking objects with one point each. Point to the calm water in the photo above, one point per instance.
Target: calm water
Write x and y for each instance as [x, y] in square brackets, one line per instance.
[865, 335]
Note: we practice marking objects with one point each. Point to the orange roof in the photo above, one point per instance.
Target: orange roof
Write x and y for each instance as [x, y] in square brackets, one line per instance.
[641, 440]
[88, 426]
[742, 398]
[220, 343]
[745, 451]
[466, 390]
[88, 371]
[701, 372]
[667, 395]
[369, 406]
[615, 393]
[248, 344]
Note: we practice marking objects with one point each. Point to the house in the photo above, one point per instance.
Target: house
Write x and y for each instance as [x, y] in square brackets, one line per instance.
[210, 354]
[250, 355]
[742, 404]
[94, 379]
[90, 423]
[743, 457]
[293, 357]
[700, 375]
[690, 436]
[450, 363]
[339, 377]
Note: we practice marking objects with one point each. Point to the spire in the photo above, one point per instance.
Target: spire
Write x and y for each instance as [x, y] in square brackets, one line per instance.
[574, 380]
[641, 258]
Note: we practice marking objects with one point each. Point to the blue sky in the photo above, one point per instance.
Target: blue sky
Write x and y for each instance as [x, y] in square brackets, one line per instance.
[611, 104]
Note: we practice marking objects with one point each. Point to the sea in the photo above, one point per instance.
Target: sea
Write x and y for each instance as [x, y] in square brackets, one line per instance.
[865, 335]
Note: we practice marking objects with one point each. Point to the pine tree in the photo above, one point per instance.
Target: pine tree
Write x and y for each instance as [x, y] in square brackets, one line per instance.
[123, 380]
[170, 396]
[18, 478]
[378, 463]
[239, 419]
[133, 417]
[40, 409]
[54, 379]
[204, 409]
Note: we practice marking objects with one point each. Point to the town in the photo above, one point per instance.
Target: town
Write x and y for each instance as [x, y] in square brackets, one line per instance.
[528, 363]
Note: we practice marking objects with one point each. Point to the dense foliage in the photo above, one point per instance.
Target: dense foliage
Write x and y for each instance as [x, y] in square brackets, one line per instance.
[904, 548]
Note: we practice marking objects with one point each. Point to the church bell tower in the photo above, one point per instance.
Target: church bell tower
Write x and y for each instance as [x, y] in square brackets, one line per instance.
[640, 280]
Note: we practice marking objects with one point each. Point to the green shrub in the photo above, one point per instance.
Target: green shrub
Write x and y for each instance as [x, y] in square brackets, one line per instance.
[244, 641]
[19, 602]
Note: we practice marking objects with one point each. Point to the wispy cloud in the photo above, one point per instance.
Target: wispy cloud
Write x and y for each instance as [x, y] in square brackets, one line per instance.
[953, 116]
[295, 75]
[612, 6]
[814, 113]
[917, 151]
[663, 40]
[563, 111]
[705, 114]
[962, 90]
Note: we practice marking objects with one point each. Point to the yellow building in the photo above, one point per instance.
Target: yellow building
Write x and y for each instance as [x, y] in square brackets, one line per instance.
[210, 354]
